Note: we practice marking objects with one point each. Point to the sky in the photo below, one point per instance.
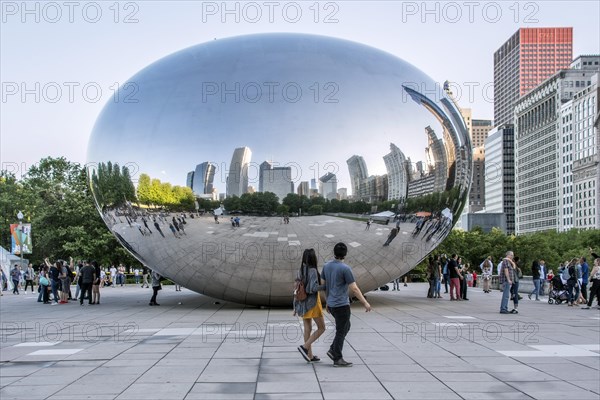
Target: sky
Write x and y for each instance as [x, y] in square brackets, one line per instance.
[61, 62]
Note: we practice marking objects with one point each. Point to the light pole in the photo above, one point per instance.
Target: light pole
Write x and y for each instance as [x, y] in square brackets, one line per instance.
[20, 235]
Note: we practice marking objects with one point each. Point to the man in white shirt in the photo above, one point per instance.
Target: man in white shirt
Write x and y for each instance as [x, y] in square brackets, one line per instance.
[113, 276]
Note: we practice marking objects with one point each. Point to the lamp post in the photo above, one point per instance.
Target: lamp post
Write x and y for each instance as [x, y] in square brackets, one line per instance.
[20, 235]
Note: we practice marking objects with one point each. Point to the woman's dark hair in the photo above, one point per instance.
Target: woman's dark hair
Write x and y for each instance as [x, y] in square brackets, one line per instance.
[309, 259]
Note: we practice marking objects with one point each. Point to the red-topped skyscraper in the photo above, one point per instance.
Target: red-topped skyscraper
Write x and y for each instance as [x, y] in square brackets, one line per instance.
[528, 58]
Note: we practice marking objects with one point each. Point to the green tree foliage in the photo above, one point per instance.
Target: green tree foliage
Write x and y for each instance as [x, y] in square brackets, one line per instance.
[143, 189]
[254, 203]
[552, 247]
[112, 185]
[315, 209]
[55, 198]
[153, 192]
[13, 199]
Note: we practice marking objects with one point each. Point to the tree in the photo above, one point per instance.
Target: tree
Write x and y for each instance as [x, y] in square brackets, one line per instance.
[12, 200]
[315, 209]
[64, 218]
[144, 189]
[282, 209]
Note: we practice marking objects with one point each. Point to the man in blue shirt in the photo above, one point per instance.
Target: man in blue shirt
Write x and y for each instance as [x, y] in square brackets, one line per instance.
[339, 280]
[585, 275]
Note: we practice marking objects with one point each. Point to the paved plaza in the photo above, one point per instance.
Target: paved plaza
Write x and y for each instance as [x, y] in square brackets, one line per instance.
[194, 347]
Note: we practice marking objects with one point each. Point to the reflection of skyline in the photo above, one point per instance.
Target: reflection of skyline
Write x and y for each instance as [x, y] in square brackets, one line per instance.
[403, 179]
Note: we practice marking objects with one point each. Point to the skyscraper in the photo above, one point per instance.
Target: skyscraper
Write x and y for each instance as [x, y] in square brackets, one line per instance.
[328, 186]
[358, 172]
[395, 163]
[263, 166]
[277, 180]
[237, 179]
[479, 131]
[500, 174]
[530, 56]
[203, 176]
[303, 189]
[436, 157]
[537, 150]
[189, 182]
[586, 159]
[477, 192]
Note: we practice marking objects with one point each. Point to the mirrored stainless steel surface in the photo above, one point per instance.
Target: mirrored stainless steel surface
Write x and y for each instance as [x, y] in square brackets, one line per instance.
[272, 113]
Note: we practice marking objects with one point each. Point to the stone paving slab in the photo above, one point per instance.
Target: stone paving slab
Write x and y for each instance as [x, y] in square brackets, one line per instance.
[195, 347]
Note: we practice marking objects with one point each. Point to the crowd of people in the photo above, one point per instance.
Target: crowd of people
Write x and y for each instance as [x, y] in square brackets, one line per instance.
[569, 285]
[55, 281]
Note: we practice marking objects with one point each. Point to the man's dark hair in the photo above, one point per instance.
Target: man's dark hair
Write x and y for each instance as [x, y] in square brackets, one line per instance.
[583, 258]
[340, 250]
[453, 255]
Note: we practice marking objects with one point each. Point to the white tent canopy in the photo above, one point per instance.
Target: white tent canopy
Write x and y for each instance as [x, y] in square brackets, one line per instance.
[384, 214]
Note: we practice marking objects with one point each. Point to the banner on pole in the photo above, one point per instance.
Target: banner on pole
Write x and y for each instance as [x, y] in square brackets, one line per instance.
[21, 238]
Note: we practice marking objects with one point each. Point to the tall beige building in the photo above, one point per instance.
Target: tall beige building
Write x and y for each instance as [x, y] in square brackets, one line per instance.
[479, 131]
[467, 115]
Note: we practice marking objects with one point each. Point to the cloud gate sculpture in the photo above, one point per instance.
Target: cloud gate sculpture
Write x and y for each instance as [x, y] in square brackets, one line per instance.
[219, 164]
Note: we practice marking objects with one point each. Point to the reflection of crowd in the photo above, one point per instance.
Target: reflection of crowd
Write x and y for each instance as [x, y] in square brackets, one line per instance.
[433, 227]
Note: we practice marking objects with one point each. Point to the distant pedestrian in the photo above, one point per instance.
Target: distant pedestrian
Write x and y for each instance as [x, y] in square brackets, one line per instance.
[15, 276]
[393, 233]
[585, 274]
[97, 283]
[145, 274]
[172, 228]
[505, 276]
[156, 286]
[339, 281]
[535, 273]
[29, 276]
[486, 273]
[368, 224]
[157, 226]
[595, 289]
[43, 284]
[455, 278]
[88, 276]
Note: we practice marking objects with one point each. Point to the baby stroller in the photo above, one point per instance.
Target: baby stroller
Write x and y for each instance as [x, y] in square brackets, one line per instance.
[558, 294]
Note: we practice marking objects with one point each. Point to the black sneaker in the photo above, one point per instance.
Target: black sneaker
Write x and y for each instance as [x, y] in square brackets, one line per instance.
[304, 352]
[342, 363]
[330, 355]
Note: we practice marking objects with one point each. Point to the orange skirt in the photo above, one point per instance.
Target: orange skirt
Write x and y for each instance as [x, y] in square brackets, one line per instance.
[316, 311]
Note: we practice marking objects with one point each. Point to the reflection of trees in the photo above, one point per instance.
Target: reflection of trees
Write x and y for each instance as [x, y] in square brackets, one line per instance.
[433, 202]
[266, 203]
[262, 203]
[112, 185]
[153, 192]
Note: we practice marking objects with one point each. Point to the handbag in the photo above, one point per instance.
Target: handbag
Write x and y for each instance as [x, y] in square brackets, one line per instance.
[299, 289]
[44, 281]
